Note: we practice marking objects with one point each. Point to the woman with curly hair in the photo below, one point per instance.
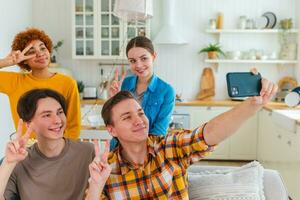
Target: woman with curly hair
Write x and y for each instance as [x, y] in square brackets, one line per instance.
[31, 51]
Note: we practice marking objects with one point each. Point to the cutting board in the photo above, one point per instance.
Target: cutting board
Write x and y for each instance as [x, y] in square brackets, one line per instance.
[207, 85]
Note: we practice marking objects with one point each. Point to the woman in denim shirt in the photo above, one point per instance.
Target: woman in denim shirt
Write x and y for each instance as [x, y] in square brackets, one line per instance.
[156, 96]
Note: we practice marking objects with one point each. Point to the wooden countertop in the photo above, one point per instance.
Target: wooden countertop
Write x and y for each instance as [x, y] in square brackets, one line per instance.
[270, 106]
[228, 102]
[87, 127]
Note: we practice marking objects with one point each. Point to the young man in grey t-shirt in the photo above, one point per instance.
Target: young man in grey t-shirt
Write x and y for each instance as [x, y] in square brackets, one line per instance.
[54, 167]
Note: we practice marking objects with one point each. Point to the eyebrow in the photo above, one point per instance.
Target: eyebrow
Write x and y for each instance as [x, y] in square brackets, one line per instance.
[144, 55]
[49, 111]
[42, 44]
[127, 113]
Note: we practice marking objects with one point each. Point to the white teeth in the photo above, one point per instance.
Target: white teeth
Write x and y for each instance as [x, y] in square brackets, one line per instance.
[55, 129]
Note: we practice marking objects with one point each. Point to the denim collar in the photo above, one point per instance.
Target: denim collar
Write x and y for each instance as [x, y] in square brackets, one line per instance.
[151, 86]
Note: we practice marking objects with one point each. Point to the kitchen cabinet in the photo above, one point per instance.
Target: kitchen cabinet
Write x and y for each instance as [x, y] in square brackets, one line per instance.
[264, 39]
[275, 143]
[98, 34]
[240, 146]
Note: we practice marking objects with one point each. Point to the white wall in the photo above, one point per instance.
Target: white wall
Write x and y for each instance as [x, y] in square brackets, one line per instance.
[15, 15]
[179, 65]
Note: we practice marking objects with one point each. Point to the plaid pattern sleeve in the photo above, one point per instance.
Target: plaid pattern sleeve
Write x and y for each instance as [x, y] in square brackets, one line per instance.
[163, 174]
[187, 147]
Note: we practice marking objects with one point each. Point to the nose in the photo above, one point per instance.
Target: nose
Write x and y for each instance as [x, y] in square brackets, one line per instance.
[56, 119]
[39, 53]
[138, 63]
[138, 120]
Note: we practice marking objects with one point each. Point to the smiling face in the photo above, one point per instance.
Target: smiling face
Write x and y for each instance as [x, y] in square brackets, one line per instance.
[129, 122]
[42, 55]
[49, 120]
[141, 62]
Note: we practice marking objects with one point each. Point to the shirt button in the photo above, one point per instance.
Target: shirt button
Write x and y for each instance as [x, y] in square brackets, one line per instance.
[148, 190]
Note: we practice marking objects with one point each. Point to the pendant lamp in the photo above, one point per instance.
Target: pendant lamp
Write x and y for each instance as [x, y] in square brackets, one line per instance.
[129, 10]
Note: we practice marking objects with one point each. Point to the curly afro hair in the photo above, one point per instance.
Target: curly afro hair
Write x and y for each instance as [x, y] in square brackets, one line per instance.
[23, 38]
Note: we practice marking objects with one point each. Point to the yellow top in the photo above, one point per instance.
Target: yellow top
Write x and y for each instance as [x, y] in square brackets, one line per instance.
[14, 84]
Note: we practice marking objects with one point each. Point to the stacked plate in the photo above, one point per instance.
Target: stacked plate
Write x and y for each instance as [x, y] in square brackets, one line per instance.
[266, 21]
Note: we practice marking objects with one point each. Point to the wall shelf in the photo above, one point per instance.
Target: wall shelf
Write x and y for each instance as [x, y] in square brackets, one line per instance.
[218, 31]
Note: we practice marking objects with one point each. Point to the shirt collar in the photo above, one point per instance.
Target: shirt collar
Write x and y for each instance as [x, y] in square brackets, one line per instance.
[151, 85]
[126, 166]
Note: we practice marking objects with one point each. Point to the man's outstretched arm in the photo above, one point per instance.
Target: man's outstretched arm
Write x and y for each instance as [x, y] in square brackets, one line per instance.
[224, 125]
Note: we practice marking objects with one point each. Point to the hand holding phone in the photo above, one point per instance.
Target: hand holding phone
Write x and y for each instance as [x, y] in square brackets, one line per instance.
[243, 84]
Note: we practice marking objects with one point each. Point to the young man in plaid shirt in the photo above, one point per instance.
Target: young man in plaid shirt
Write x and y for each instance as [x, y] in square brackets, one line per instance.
[145, 166]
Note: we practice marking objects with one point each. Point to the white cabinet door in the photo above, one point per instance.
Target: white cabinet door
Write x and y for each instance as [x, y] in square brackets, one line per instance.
[243, 143]
[276, 144]
[266, 136]
[201, 115]
[240, 146]
[97, 33]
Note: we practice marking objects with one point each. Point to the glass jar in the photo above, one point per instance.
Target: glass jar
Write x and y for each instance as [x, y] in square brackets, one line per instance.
[242, 22]
[212, 24]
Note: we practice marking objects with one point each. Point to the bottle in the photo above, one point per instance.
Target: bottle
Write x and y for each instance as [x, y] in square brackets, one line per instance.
[220, 20]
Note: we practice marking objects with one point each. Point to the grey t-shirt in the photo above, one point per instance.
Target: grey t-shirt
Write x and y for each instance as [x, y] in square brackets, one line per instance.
[64, 177]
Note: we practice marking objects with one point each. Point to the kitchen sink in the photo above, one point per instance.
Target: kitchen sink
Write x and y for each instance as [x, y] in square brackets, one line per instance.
[294, 114]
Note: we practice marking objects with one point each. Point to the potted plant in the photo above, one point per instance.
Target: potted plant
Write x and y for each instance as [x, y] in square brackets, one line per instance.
[55, 48]
[80, 86]
[212, 50]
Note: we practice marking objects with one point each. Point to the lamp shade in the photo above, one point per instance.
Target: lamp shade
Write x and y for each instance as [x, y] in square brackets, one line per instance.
[129, 10]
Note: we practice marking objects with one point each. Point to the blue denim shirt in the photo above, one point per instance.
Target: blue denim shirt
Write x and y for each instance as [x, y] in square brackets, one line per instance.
[158, 102]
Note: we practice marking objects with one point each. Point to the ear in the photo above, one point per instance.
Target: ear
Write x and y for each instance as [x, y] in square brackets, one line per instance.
[154, 55]
[111, 131]
[30, 123]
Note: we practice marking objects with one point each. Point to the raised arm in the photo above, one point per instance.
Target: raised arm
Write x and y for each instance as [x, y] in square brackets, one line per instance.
[15, 57]
[14, 153]
[116, 84]
[99, 172]
[224, 125]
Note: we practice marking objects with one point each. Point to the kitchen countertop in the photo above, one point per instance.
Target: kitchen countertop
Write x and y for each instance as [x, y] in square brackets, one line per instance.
[228, 102]
[270, 107]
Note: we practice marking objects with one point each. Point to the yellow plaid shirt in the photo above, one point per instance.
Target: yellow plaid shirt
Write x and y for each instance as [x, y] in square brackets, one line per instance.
[164, 173]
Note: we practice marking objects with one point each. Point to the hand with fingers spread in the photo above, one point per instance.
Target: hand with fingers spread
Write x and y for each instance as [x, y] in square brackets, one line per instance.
[268, 90]
[16, 149]
[99, 168]
[116, 84]
[16, 57]
[99, 172]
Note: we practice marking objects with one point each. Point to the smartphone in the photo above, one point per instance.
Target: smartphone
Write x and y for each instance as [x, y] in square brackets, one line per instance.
[243, 84]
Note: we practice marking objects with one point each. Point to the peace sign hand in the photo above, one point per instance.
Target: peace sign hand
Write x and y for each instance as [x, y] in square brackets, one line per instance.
[99, 168]
[16, 149]
[16, 57]
[116, 84]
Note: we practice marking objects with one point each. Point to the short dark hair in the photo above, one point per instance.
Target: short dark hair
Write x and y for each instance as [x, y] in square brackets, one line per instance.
[140, 41]
[110, 103]
[27, 104]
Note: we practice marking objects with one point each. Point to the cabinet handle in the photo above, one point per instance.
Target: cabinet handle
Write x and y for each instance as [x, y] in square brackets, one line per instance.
[270, 113]
[279, 136]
